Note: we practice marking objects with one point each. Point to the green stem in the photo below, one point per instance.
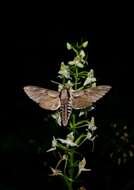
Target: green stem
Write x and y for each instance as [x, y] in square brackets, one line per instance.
[70, 186]
[76, 77]
[75, 50]
[71, 157]
[63, 80]
[71, 170]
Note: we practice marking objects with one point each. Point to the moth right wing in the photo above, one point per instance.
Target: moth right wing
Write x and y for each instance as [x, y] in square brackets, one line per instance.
[47, 99]
[85, 98]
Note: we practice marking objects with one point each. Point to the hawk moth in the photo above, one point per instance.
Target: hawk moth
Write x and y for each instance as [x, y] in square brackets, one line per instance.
[67, 99]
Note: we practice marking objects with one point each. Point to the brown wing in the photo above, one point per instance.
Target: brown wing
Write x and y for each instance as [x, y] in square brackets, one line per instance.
[84, 98]
[47, 99]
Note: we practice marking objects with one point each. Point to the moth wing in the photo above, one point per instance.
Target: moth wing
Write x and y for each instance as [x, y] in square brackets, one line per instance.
[47, 99]
[85, 98]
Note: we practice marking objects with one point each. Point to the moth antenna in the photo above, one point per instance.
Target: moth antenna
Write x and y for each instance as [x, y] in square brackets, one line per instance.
[55, 82]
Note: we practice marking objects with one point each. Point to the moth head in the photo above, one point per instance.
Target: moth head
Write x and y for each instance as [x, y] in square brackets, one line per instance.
[68, 85]
[62, 87]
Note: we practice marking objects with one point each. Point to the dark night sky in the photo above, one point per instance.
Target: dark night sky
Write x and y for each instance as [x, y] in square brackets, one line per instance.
[109, 55]
[40, 48]
[39, 60]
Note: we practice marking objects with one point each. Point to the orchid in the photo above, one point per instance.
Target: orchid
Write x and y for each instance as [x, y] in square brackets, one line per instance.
[75, 77]
[82, 165]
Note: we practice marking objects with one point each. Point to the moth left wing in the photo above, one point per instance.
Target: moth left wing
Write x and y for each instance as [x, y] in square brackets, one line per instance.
[85, 98]
[47, 99]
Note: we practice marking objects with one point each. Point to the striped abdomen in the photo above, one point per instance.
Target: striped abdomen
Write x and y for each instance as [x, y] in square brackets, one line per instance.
[66, 106]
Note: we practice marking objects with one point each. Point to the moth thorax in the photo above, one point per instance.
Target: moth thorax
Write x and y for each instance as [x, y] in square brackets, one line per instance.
[64, 94]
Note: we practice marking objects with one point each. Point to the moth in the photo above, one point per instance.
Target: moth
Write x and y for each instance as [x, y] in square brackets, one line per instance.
[65, 100]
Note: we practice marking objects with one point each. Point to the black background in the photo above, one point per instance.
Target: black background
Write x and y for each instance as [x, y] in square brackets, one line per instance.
[40, 48]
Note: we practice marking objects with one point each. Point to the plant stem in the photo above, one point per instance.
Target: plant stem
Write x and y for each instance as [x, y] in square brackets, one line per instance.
[71, 157]
[63, 80]
[71, 170]
[76, 77]
[71, 160]
[70, 186]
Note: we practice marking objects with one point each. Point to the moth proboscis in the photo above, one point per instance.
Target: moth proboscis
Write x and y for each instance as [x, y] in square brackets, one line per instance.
[67, 99]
